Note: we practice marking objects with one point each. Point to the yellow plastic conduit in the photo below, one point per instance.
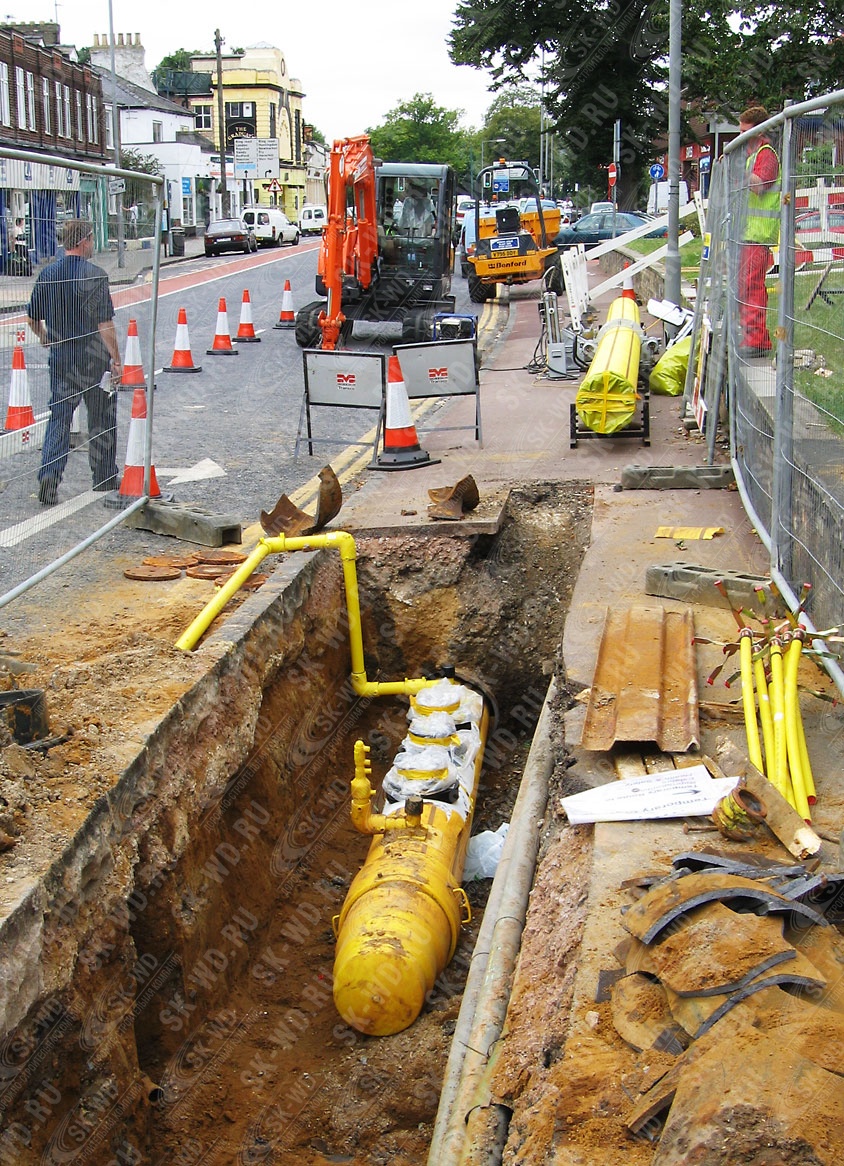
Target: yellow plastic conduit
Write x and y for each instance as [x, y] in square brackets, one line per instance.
[345, 544]
[806, 765]
[765, 715]
[792, 730]
[754, 748]
[779, 775]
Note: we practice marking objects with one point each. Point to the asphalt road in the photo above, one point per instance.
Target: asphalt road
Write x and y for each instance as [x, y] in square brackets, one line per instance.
[223, 438]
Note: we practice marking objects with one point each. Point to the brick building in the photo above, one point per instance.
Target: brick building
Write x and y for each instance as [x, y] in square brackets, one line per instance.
[49, 104]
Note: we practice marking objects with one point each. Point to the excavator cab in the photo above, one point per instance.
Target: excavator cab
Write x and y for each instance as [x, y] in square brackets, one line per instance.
[393, 261]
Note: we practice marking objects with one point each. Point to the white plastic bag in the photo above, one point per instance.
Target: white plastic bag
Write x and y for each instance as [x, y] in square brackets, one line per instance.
[484, 853]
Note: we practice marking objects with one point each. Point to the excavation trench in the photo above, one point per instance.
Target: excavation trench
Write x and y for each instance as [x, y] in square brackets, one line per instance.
[170, 999]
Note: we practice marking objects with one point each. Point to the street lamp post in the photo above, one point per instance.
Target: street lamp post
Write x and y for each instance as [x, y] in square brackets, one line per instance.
[490, 142]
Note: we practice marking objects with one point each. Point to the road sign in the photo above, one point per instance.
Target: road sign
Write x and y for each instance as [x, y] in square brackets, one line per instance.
[116, 185]
[656, 172]
[612, 173]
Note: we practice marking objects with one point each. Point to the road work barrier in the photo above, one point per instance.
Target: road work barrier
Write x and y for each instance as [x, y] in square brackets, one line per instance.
[37, 538]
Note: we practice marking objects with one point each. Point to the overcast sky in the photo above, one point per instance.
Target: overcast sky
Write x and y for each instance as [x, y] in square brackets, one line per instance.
[353, 68]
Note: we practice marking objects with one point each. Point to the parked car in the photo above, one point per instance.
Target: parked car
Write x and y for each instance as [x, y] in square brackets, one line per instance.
[271, 226]
[810, 233]
[464, 204]
[597, 207]
[229, 235]
[593, 229]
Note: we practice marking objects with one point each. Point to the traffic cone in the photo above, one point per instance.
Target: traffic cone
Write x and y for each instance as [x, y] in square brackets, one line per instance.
[286, 319]
[402, 450]
[132, 485]
[133, 372]
[222, 345]
[182, 359]
[246, 329]
[627, 292]
[19, 415]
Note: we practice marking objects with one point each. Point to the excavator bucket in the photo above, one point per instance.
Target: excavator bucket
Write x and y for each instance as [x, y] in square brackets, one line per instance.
[451, 502]
[286, 518]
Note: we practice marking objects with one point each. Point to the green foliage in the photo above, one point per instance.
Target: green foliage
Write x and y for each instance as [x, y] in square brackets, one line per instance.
[599, 61]
[419, 130]
[137, 190]
[178, 60]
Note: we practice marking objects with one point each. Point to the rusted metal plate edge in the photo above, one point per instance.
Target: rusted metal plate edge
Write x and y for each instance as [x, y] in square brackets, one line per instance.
[645, 682]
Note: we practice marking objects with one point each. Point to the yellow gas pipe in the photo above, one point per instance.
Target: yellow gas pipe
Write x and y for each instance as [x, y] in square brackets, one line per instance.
[754, 750]
[401, 919]
[345, 544]
[791, 704]
[765, 715]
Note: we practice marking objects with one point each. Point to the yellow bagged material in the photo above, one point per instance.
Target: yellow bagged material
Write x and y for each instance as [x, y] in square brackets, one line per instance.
[668, 375]
[606, 399]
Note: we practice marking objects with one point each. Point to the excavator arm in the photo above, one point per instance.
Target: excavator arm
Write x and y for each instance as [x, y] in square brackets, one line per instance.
[349, 242]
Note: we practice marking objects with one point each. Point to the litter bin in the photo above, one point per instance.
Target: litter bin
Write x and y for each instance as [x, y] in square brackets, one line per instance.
[177, 240]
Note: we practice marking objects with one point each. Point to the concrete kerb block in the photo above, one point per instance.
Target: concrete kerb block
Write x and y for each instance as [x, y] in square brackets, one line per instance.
[690, 583]
[677, 477]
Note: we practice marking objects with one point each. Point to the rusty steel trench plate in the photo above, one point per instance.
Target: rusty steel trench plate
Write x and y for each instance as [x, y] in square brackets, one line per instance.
[645, 683]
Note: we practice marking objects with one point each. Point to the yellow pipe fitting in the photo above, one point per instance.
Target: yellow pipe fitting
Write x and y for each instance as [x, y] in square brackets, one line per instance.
[363, 818]
[754, 749]
[339, 540]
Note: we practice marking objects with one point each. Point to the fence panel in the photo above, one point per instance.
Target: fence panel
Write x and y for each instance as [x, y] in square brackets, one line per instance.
[65, 421]
[787, 404]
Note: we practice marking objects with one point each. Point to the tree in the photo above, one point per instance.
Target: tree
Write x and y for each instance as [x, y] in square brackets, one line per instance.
[602, 61]
[138, 191]
[179, 60]
[418, 130]
[515, 116]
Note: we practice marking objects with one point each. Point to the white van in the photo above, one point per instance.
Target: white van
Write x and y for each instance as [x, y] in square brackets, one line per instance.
[271, 226]
[658, 197]
[312, 219]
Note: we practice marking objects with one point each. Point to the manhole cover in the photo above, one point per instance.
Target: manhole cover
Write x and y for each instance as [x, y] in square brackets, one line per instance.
[186, 559]
[150, 572]
[250, 584]
[205, 570]
[224, 558]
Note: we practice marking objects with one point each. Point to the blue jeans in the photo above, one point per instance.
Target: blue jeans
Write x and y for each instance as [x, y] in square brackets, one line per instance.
[69, 386]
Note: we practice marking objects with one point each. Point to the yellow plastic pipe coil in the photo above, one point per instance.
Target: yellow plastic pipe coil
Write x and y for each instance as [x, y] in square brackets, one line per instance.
[754, 749]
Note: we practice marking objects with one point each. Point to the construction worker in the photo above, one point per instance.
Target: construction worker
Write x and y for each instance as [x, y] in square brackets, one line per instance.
[759, 234]
[417, 212]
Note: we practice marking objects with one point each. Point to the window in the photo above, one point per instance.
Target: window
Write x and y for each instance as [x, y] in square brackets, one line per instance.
[109, 128]
[59, 110]
[30, 101]
[80, 128]
[202, 117]
[20, 88]
[272, 119]
[89, 110]
[157, 128]
[46, 106]
[95, 113]
[68, 120]
[5, 107]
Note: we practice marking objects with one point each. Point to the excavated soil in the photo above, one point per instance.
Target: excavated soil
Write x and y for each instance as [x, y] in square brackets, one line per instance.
[232, 1035]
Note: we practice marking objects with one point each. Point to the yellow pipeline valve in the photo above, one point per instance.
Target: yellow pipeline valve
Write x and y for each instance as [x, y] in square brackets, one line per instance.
[363, 819]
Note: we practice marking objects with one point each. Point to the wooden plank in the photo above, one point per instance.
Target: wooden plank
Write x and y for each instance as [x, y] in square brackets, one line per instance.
[195, 526]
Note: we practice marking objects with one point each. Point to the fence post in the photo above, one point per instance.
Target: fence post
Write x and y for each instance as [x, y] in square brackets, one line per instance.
[782, 502]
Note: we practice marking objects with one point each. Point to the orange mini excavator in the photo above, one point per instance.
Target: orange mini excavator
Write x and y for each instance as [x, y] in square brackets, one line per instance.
[387, 252]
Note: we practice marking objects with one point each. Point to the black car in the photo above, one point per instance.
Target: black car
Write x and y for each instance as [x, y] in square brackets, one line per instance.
[229, 235]
[596, 228]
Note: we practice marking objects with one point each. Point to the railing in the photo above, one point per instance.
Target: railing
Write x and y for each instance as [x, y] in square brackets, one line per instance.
[785, 406]
[41, 529]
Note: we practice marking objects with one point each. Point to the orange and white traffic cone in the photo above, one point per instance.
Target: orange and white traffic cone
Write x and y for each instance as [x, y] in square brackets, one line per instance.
[133, 372]
[19, 415]
[286, 319]
[182, 359]
[132, 485]
[402, 450]
[222, 345]
[246, 329]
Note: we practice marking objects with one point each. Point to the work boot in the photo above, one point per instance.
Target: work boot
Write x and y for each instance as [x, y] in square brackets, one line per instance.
[108, 484]
[48, 491]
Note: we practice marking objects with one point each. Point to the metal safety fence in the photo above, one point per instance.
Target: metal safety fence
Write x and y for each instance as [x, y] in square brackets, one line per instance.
[74, 265]
[769, 328]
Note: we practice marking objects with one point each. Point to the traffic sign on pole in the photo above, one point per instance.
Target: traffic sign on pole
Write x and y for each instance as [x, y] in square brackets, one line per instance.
[657, 172]
[612, 173]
